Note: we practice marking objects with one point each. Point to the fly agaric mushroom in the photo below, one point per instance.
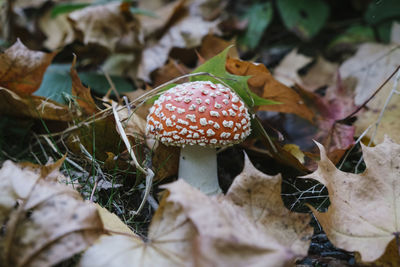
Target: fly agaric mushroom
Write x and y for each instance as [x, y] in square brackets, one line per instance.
[199, 117]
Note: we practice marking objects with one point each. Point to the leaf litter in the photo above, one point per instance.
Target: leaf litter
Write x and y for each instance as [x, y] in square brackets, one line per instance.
[247, 226]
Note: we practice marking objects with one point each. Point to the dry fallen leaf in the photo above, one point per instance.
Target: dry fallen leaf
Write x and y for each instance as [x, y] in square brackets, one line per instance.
[371, 66]
[110, 25]
[286, 71]
[112, 222]
[263, 84]
[32, 106]
[168, 243]
[22, 70]
[44, 222]
[186, 33]
[322, 73]
[364, 207]
[81, 93]
[250, 226]
[58, 30]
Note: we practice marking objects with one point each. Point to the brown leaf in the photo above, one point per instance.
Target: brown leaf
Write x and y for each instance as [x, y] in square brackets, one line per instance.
[111, 25]
[32, 106]
[263, 84]
[168, 243]
[22, 70]
[165, 161]
[82, 93]
[250, 226]
[364, 207]
[50, 223]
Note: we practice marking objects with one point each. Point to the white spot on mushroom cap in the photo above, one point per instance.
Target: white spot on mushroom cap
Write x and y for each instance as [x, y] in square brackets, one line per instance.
[203, 121]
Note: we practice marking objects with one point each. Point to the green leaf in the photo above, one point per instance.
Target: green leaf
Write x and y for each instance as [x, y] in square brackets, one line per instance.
[66, 8]
[379, 11]
[353, 35]
[259, 17]
[216, 66]
[303, 17]
[56, 84]
[98, 83]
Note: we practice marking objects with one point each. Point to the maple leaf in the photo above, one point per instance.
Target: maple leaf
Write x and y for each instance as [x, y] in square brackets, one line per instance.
[167, 244]
[364, 210]
[32, 106]
[110, 25]
[250, 226]
[371, 66]
[49, 224]
[21, 69]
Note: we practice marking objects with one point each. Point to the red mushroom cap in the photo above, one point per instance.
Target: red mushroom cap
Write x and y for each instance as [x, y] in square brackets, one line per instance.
[199, 113]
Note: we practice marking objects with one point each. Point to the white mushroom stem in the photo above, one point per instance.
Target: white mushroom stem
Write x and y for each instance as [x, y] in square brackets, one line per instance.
[198, 167]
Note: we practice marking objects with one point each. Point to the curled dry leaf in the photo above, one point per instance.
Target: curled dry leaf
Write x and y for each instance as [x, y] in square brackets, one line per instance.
[364, 210]
[111, 25]
[43, 221]
[82, 93]
[168, 243]
[263, 84]
[250, 226]
[22, 70]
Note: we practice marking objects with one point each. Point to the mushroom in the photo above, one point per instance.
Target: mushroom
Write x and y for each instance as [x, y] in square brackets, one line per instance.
[199, 117]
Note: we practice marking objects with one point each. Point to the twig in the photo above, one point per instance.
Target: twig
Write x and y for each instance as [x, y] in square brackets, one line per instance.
[378, 121]
[372, 96]
[113, 88]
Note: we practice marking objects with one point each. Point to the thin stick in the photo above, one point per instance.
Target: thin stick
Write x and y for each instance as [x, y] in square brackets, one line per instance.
[113, 88]
[378, 121]
[372, 96]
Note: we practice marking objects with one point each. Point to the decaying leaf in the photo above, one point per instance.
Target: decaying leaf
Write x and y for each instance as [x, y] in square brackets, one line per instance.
[263, 84]
[364, 210]
[250, 226]
[287, 70]
[186, 33]
[22, 70]
[32, 106]
[371, 66]
[81, 93]
[112, 222]
[111, 25]
[322, 73]
[43, 221]
[168, 243]
[58, 30]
